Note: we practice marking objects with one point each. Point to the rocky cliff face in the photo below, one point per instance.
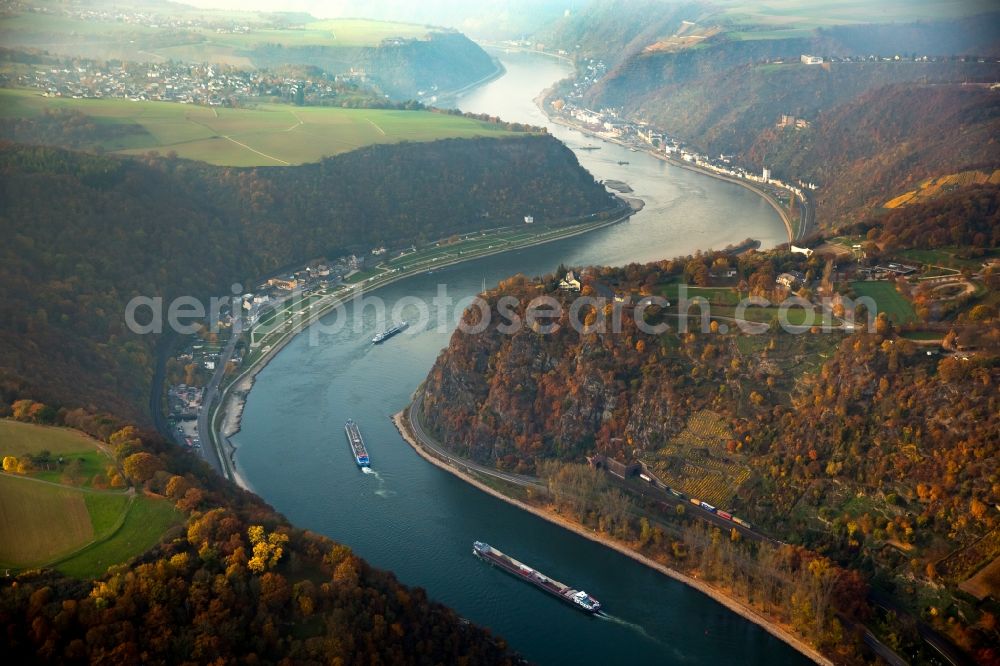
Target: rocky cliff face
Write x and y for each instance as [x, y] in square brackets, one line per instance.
[512, 399]
[728, 95]
[524, 400]
[866, 151]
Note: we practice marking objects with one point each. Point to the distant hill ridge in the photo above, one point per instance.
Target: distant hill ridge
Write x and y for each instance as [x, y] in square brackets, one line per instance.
[443, 61]
[113, 228]
[404, 60]
[880, 117]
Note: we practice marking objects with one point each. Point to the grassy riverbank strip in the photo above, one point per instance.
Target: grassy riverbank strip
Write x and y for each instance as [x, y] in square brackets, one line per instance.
[778, 631]
[235, 389]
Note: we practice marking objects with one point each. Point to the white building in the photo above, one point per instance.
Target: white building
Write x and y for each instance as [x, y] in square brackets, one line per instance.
[570, 283]
[811, 59]
[791, 279]
[529, 219]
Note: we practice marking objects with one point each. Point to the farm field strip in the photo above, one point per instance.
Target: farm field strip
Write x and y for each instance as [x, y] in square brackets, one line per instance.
[208, 44]
[266, 135]
[39, 521]
[142, 527]
[50, 517]
[887, 299]
[18, 438]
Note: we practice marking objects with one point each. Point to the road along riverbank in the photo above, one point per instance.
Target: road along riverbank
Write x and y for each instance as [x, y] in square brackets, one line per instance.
[401, 421]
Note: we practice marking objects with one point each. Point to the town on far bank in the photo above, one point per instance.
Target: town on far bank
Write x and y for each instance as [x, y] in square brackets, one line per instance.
[565, 106]
[264, 309]
[254, 323]
[909, 286]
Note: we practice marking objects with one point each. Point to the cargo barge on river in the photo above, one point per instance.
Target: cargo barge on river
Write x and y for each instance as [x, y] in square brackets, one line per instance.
[576, 598]
[388, 333]
[357, 444]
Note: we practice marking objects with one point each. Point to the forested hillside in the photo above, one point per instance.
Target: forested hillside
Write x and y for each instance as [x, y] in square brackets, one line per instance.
[862, 447]
[885, 141]
[613, 31]
[235, 583]
[442, 61]
[724, 109]
[877, 114]
[84, 234]
[616, 30]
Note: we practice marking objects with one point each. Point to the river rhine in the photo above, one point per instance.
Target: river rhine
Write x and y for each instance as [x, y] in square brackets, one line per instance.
[419, 521]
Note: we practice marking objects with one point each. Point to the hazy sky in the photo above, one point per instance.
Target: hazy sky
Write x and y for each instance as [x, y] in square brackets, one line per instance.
[318, 9]
[404, 9]
[492, 17]
[520, 16]
[334, 8]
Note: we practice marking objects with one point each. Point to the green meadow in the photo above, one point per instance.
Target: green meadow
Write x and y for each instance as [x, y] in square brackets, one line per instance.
[48, 519]
[887, 299]
[266, 135]
[330, 32]
[345, 32]
[141, 528]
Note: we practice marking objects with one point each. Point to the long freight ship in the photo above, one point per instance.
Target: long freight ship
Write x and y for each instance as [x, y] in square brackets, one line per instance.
[577, 598]
[357, 444]
[389, 332]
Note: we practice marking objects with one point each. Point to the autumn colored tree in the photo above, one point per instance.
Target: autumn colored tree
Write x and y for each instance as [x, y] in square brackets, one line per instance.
[140, 467]
[267, 548]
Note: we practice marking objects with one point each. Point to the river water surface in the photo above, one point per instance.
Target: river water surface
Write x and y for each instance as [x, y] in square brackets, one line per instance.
[419, 521]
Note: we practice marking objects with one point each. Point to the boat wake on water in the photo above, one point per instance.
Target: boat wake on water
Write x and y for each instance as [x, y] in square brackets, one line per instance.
[637, 628]
[382, 491]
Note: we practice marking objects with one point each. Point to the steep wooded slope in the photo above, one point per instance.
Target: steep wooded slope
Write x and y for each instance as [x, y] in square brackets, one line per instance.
[85, 234]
